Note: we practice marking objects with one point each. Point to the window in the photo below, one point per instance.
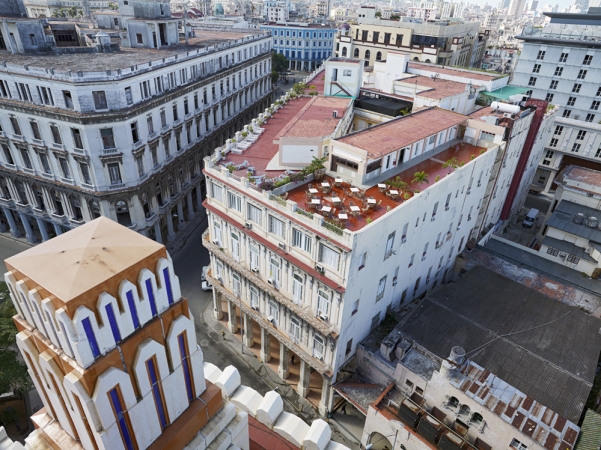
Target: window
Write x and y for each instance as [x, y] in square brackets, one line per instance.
[581, 74]
[254, 256]
[234, 202]
[175, 116]
[77, 140]
[328, 256]
[566, 113]
[64, 165]
[68, 99]
[536, 68]
[575, 148]
[362, 260]
[254, 297]
[274, 312]
[87, 327]
[587, 60]
[254, 214]
[589, 118]
[295, 329]
[595, 105]
[517, 444]
[553, 143]
[235, 246]
[301, 240]
[114, 173]
[276, 226]
[563, 57]
[85, 172]
[318, 347]
[163, 119]
[128, 97]
[558, 71]
[135, 136]
[541, 55]
[108, 141]
[297, 289]
[558, 130]
[576, 88]
[553, 84]
[46, 96]
[15, 124]
[157, 391]
[99, 100]
[8, 157]
[581, 134]
[56, 136]
[236, 284]
[140, 165]
[389, 245]
[323, 304]
[26, 158]
[35, 129]
[274, 269]
[216, 192]
[184, 355]
[381, 287]
[571, 101]
[45, 162]
[549, 97]
[375, 321]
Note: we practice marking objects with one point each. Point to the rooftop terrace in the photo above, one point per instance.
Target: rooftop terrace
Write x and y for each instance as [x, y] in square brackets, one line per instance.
[455, 72]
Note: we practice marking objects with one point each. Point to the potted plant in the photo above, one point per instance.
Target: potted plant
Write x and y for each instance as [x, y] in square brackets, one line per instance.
[420, 178]
[317, 168]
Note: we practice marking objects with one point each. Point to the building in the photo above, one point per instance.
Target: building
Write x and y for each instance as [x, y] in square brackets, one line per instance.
[443, 42]
[110, 345]
[305, 45]
[115, 121]
[276, 11]
[560, 64]
[314, 274]
[570, 234]
[516, 8]
[473, 367]
[46, 8]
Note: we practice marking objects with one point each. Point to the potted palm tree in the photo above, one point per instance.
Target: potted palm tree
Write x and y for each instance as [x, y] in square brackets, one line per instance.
[317, 168]
[419, 178]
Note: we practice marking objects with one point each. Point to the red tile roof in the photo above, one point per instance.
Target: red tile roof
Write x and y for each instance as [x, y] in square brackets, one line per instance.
[398, 133]
[263, 438]
[316, 118]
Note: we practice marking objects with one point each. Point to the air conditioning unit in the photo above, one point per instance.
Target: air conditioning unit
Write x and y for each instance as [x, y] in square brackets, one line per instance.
[255, 269]
[469, 191]
[318, 356]
[446, 208]
[320, 269]
[255, 307]
[216, 242]
[437, 245]
[248, 225]
[459, 227]
[433, 219]
[324, 317]
[270, 318]
[282, 246]
[507, 115]
[271, 281]
[562, 255]
[219, 279]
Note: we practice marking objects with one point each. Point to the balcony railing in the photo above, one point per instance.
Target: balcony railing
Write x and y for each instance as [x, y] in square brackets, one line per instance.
[318, 365]
[306, 315]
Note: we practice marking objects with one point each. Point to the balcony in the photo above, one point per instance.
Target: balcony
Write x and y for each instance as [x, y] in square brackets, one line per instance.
[305, 314]
[292, 344]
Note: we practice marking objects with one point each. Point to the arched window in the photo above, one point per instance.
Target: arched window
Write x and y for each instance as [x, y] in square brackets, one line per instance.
[356, 54]
[367, 55]
[122, 210]
[146, 205]
[476, 419]
[379, 56]
[75, 207]
[94, 208]
[453, 402]
[58, 203]
[39, 197]
[21, 192]
[416, 59]
[159, 193]
[465, 410]
[343, 51]
[428, 61]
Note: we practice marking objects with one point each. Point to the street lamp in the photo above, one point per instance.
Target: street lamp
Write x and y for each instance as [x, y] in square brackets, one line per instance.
[369, 446]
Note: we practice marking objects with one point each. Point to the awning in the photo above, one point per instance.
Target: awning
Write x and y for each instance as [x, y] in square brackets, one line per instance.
[346, 155]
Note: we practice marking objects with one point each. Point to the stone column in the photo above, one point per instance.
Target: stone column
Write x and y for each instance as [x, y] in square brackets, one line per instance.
[303, 382]
[218, 307]
[232, 319]
[283, 369]
[157, 232]
[181, 220]
[170, 232]
[190, 206]
[549, 182]
[265, 345]
[248, 330]
[14, 231]
[325, 405]
[43, 229]
[28, 230]
[57, 229]
[198, 197]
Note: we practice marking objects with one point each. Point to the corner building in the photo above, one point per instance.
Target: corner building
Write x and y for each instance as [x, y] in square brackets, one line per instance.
[110, 344]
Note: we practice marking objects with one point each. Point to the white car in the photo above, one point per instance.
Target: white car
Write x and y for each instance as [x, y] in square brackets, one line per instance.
[205, 286]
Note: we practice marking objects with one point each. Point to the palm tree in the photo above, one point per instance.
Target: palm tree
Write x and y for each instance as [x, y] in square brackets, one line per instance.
[397, 182]
[419, 178]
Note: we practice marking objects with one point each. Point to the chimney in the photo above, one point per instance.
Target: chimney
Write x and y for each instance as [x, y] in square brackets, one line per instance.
[449, 366]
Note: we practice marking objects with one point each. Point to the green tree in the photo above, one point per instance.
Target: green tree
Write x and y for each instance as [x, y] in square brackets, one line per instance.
[419, 178]
[378, 14]
[13, 372]
[395, 17]
[299, 88]
[279, 64]
[397, 182]
[113, 6]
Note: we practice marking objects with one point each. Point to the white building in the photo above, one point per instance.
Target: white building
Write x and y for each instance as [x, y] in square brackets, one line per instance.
[561, 64]
[93, 128]
[276, 11]
[317, 281]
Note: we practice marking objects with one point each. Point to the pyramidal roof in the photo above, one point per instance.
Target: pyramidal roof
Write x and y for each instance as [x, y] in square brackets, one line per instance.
[82, 259]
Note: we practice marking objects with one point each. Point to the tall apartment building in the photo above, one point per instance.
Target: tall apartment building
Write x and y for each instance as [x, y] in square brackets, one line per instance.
[562, 64]
[276, 11]
[116, 121]
[444, 42]
[306, 46]
[313, 265]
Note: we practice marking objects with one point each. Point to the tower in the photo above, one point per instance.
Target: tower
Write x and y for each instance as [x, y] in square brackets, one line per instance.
[109, 342]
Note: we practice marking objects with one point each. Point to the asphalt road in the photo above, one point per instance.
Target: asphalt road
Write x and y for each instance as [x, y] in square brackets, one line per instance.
[538, 201]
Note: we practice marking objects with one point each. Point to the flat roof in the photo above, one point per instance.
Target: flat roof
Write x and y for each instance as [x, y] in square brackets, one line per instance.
[437, 88]
[84, 258]
[455, 72]
[542, 347]
[505, 92]
[582, 174]
[316, 118]
[562, 219]
[387, 137]
[124, 58]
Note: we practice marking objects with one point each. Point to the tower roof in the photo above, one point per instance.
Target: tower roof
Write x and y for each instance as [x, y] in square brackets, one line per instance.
[89, 259]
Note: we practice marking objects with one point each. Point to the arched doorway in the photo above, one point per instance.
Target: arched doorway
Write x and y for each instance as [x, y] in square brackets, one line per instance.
[356, 53]
[122, 210]
[343, 51]
[379, 56]
[379, 442]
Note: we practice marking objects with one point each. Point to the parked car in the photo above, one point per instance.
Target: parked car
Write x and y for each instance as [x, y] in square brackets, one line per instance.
[206, 286]
[530, 218]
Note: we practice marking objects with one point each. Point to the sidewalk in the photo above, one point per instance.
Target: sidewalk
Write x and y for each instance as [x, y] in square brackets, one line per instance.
[301, 406]
[175, 246]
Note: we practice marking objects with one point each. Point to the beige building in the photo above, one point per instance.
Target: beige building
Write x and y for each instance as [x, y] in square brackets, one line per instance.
[448, 43]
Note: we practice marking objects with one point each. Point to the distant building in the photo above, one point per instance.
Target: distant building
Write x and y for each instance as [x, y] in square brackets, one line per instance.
[516, 8]
[276, 10]
[305, 45]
